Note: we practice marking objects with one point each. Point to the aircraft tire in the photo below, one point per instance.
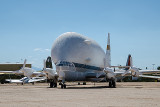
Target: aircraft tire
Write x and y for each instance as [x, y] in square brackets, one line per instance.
[110, 84]
[55, 84]
[62, 86]
[60, 83]
[114, 84]
[51, 84]
[84, 83]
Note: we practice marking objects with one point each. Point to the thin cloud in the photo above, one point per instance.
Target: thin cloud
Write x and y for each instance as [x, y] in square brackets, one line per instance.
[41, 50]
[47, 50]
[37, 49]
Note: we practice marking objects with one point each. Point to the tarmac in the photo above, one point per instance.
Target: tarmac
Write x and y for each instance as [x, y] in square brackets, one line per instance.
[127, 94]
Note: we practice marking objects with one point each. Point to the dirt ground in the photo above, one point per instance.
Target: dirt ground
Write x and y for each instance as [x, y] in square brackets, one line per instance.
[127, 94]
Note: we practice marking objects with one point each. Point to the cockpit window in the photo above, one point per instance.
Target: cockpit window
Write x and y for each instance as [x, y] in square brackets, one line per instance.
[64, 63]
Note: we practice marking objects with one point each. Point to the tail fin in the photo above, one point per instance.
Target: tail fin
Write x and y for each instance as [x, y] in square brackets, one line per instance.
[108, 53]
[24, 63]
[129, 61]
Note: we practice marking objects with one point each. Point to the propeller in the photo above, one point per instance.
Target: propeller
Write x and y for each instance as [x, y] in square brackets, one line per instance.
[134, 71]
[109, 72]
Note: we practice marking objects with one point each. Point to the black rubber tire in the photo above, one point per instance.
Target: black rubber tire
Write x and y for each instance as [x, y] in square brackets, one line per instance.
[114, 84]
[84, 83]
[51, 84]
[110, 84]
[62, 86]
[79, 83]
[55, 84]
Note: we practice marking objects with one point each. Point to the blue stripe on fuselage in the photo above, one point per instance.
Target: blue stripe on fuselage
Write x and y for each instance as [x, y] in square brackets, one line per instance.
[78, 65]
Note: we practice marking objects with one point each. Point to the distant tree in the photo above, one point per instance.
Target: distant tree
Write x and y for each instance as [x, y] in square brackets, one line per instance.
[48, 62]
[158, 67]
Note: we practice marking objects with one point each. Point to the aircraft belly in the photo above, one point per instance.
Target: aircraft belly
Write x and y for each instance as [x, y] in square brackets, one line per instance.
[74, 76]
[83, 75]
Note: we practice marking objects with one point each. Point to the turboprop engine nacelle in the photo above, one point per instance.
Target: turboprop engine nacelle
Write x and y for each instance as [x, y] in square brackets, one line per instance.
[50, 73]
[134, 71]
[109, 73]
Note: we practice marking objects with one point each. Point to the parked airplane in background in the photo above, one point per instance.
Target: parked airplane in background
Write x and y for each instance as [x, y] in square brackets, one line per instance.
[25, 80]
[26, 71]
[139, 73]
[78, 58]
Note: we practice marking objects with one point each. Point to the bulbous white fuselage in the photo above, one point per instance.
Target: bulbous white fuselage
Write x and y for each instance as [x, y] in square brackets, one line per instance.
[73, 47]
[77, 58]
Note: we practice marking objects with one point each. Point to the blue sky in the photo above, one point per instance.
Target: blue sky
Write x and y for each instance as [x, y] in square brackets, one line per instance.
[28, 28]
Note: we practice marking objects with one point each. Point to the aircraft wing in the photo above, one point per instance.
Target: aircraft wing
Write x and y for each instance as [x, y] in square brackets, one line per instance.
[36, 80]
[119, 66]
[38, 74]
[118, 73]
[147, 76]
[149, 71]
[6, 72]
[122, 73]
[11, 72]
[13, 80]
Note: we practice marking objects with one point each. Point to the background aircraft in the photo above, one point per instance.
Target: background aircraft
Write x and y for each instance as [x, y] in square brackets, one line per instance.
[26, 71]
[25, 80]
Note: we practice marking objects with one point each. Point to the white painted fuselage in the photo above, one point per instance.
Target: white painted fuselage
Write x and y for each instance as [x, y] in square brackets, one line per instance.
[78, 58]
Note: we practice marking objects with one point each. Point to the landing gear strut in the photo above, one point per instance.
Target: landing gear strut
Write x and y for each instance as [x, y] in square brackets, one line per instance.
[112, 84]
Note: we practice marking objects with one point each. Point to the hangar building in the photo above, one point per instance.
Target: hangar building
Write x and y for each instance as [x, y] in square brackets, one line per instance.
[12, 66]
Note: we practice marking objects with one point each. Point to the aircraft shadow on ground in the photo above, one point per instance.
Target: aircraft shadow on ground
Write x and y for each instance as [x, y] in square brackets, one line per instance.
[75, 86]
[91, 87]
[94, 87]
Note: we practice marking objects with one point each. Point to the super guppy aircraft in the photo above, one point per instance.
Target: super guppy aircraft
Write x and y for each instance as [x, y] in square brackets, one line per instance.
[79, 58]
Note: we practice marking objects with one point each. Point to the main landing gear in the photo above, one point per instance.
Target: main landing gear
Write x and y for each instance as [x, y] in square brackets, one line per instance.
[112, 84]
[84, 83]
[63, 85]
[53, 84]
